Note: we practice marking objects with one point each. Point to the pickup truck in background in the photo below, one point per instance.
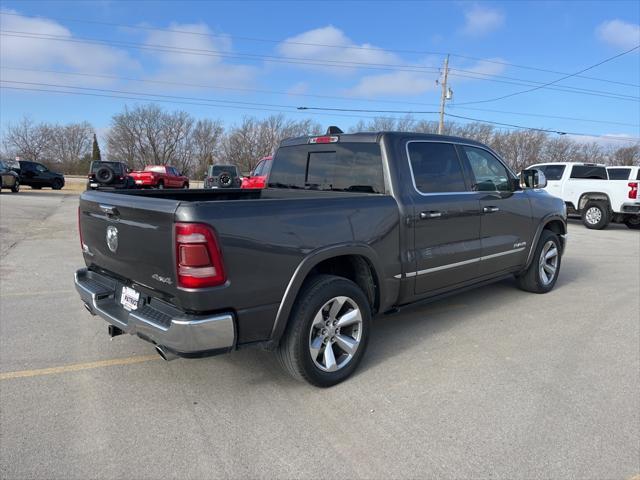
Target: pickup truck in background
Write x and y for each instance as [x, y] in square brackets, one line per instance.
[630, 175]
[259, 175]
[159, 176]
[588, 192]
[350, 226]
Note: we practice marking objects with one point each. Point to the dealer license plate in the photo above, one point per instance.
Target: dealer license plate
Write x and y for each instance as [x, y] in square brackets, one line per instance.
[129, 298]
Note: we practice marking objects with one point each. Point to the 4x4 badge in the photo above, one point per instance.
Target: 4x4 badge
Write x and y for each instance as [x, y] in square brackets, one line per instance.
[112, 238]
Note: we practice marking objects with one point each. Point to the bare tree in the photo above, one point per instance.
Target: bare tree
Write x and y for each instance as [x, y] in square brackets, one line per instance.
[148, 135]
[626, 155]
[205, 144]
[69, 143]
[28, 140]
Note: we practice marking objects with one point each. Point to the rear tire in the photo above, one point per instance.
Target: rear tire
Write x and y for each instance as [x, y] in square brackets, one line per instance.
[185, 186]
[330, 313]
[633, 222]
[542, 274]
[160, 185]
[596, 215]
[16, 186]
[57, 184]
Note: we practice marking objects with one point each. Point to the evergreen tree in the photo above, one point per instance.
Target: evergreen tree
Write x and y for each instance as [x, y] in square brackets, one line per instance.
[95, 153]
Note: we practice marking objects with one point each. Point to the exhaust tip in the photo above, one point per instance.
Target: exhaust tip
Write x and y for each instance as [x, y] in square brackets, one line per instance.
[165, 354]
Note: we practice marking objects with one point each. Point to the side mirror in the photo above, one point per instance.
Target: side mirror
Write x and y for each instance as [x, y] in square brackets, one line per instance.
[532, 179]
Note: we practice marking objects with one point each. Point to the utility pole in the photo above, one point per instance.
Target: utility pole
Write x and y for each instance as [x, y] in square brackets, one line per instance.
[443, 97]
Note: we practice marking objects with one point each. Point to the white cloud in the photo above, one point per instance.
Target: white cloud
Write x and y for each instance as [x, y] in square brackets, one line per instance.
[196, 60]
[55, 54]
[311, 45]
[400, 83]
[480, 20]
[619, 33]
[606, 140]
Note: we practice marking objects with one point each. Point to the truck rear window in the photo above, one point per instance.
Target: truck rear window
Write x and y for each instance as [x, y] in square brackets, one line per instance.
[619, 173]
[589, 172]
[346, 167]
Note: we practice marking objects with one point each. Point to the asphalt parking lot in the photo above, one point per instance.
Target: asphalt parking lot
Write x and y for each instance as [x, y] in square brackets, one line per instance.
[494, 383]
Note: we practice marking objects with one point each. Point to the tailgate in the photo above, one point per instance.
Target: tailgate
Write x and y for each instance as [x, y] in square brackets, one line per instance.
[131, 236]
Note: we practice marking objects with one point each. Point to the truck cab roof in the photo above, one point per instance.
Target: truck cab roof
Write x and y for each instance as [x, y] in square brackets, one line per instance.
[373, 137]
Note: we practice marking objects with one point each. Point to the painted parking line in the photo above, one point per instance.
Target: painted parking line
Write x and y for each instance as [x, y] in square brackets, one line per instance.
[37, 294]
[79, 366]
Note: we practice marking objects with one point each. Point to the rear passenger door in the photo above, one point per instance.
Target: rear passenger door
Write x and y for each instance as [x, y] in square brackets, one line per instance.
[446, 218]
[506, 225]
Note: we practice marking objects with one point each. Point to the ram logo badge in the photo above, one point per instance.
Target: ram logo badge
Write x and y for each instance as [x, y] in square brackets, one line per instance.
[112, 238]
[519, 244]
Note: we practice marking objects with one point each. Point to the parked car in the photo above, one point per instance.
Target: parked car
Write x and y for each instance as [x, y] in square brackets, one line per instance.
[259, 176]
[630, 175]
[9, 179]
[159, 176]
[222, 176]
[588, 192]
[342, 233]
[110, 175]
[36, 175]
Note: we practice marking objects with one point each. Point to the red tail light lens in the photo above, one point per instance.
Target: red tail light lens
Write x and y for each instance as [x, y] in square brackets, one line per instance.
[198, 257]
[633, 192]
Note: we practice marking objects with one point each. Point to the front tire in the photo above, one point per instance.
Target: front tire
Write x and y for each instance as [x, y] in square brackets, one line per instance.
[160, 185]
[16, 186]
[328, 331]
[596, 215]
[57, 184]
[542, 274]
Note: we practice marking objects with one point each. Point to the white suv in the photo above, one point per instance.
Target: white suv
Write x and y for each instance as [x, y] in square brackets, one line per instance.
[587, 191]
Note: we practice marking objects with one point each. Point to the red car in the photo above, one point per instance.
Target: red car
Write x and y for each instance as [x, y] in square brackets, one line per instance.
[159, 176]
[258, 177]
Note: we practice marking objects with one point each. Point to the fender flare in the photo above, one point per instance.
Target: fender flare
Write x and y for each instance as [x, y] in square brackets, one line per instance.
[306, 265]
[552, 217]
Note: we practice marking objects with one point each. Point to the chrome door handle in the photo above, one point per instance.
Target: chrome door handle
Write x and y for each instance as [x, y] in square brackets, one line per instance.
[490, 209]
[432, 214]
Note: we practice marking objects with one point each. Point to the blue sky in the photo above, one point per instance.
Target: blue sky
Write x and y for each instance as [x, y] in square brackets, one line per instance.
[275, 54]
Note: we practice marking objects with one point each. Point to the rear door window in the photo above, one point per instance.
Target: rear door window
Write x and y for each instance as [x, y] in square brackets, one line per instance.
[618, 173]
[589, 172]
[436, 167]
[553, 172]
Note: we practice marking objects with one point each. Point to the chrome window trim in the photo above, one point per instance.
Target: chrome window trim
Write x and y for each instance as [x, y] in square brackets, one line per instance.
[459, 264]
[487, 149]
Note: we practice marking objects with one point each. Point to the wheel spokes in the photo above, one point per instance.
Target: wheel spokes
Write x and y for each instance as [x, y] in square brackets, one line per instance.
[349, 318]
[553, 252]
[329, 358]
[315, 347]
[336, 306]
[347, 344]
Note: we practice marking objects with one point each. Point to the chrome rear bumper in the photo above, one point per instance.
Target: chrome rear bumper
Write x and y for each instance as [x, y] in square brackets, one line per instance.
[157, 321]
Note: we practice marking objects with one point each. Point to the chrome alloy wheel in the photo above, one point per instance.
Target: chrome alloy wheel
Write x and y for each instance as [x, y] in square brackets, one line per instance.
[335, 334]
[593, 215]
[548, 264]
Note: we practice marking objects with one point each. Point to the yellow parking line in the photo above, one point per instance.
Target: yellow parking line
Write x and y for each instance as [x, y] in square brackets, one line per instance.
[30, 294]
[78, 366]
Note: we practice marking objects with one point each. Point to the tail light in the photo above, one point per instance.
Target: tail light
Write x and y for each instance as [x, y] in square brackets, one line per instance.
[325, 139]
[633, 192]
[198, 257]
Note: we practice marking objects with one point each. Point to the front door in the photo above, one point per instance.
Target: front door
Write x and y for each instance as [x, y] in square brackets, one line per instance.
[506, 223]
[446, 219]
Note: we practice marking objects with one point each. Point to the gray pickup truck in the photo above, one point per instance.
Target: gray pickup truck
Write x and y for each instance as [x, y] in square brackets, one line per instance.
[350, 226]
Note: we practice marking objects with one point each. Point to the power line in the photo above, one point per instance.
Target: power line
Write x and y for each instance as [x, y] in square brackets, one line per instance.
[181, 102]
[415, 112]
[291, 42]
[308, 95]
[303, 61]
[557, 80]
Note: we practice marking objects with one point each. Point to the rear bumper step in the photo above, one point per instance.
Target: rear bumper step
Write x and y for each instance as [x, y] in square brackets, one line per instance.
[156, 321]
